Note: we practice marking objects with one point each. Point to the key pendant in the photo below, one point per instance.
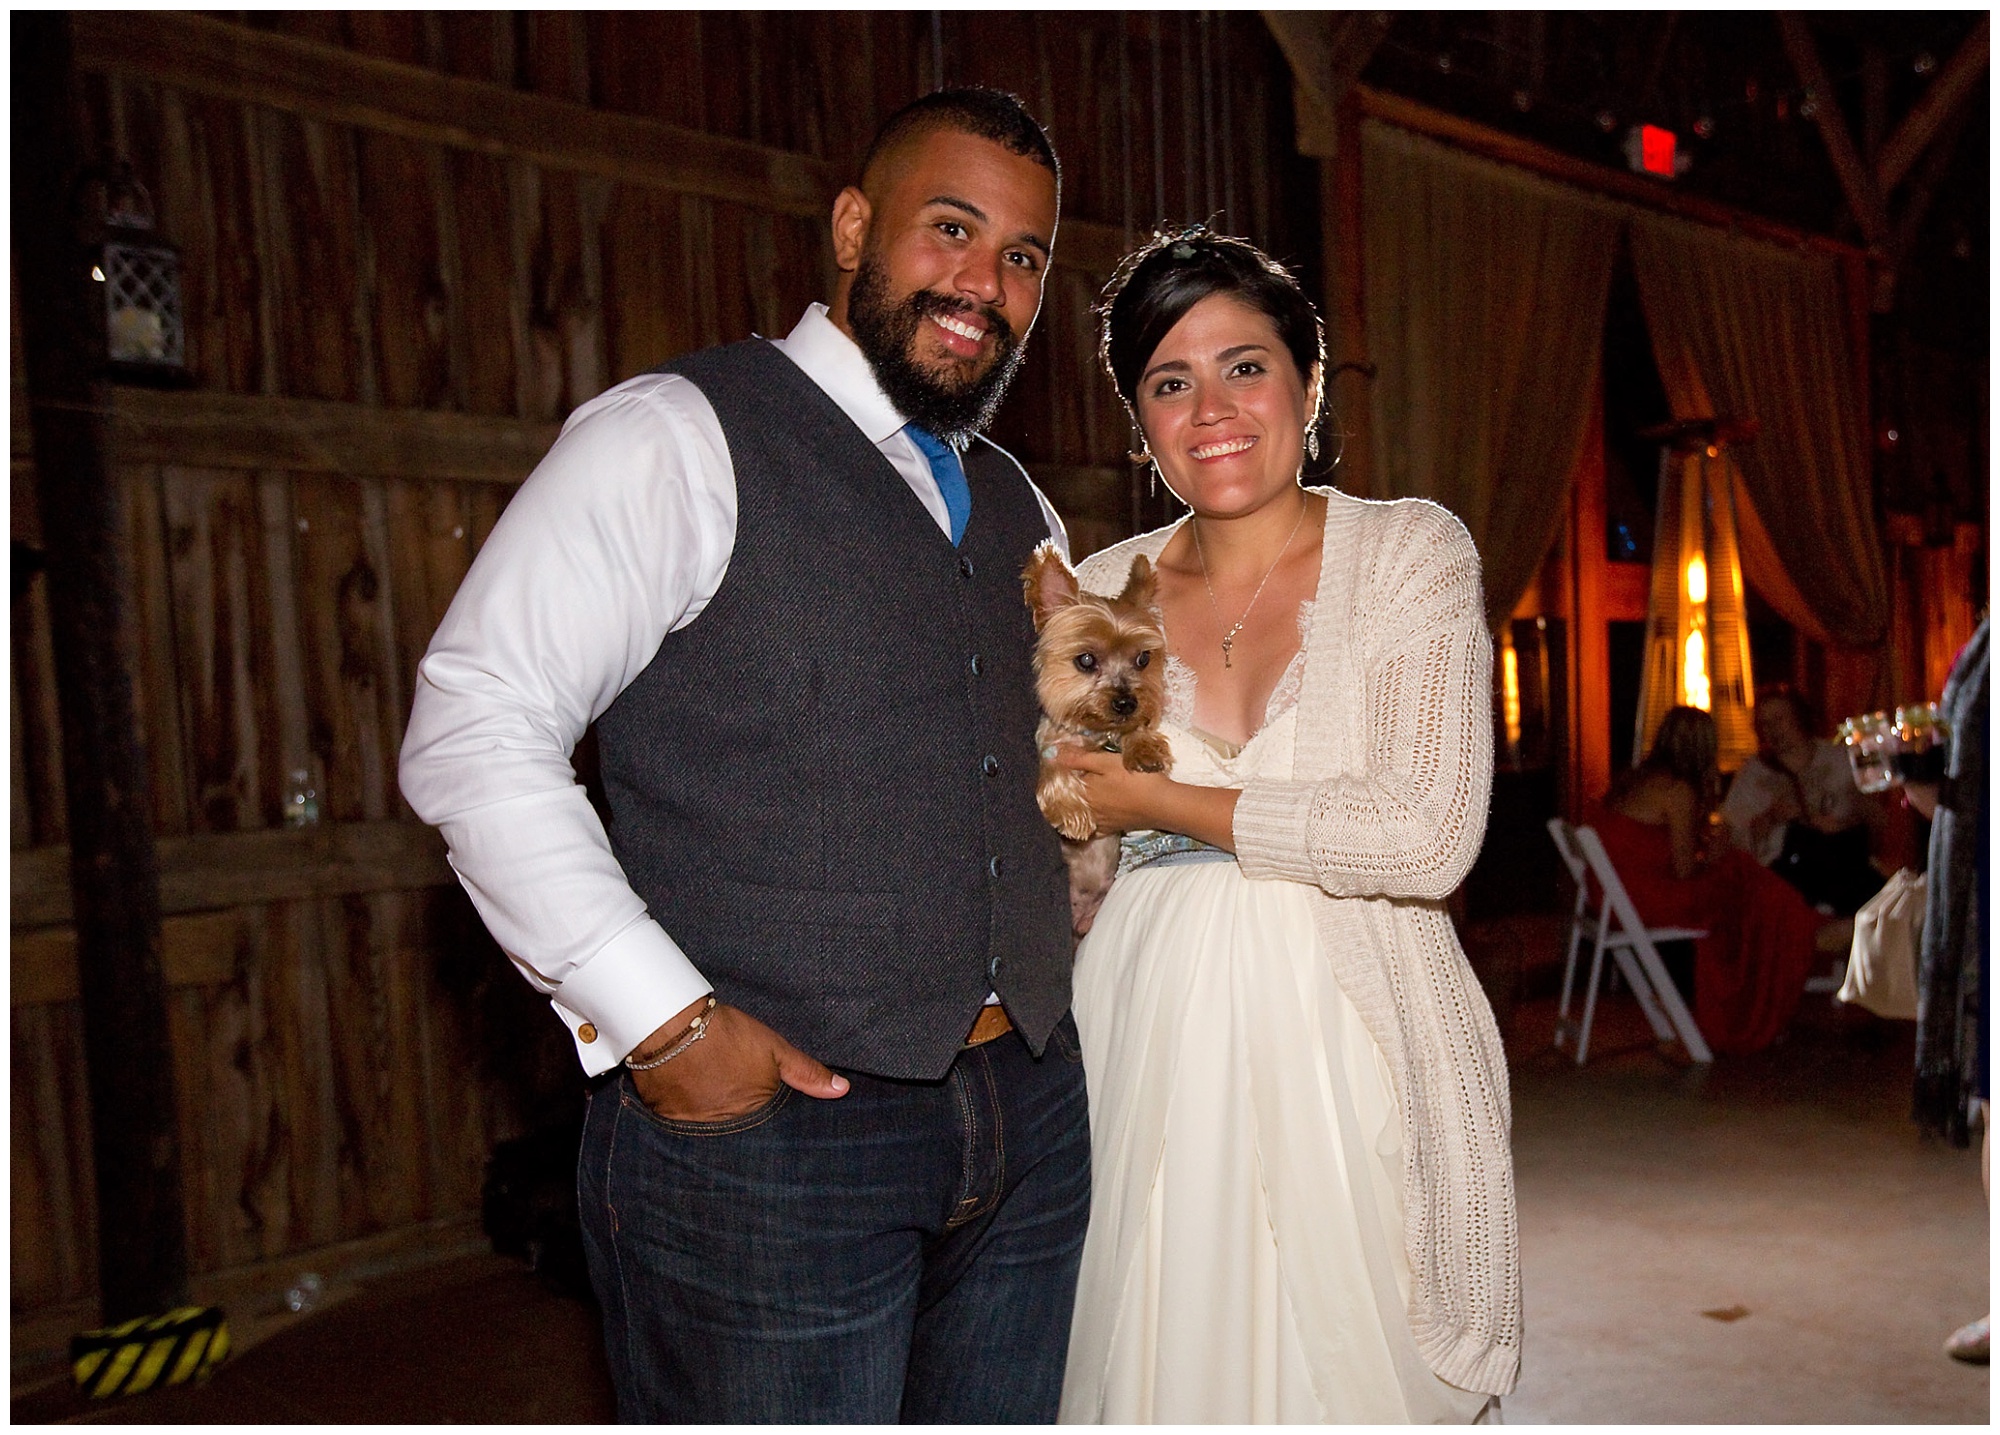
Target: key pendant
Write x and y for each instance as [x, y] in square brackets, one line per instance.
[1228, 641]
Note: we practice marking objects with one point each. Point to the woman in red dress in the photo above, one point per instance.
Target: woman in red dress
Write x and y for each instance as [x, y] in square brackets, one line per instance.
[1751, 968]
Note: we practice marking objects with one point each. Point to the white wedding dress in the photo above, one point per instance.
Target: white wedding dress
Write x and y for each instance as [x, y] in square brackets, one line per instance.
[1245, 1258]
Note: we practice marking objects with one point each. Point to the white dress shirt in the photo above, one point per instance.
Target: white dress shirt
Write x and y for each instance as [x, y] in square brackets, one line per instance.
[1828, 789]
[620, 536]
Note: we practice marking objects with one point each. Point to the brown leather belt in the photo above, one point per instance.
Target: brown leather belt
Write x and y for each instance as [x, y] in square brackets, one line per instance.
[992, 1022]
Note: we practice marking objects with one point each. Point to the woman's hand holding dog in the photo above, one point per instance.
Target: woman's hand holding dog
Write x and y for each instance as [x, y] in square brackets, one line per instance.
[734, 1069]
[1126, 801]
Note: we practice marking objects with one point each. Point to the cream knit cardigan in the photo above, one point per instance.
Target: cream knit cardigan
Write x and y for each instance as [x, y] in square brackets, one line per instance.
[1384, 815]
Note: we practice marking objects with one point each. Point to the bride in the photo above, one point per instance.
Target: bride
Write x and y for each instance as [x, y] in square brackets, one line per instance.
[1304, 1202]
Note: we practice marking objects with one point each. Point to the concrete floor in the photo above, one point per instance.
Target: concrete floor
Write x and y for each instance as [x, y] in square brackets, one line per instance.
[1790, 1186]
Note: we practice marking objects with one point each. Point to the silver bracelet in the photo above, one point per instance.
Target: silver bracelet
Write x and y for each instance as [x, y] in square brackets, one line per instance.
[697, 1029]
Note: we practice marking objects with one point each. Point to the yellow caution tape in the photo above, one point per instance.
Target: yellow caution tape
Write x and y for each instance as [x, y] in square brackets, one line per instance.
[184, 1344]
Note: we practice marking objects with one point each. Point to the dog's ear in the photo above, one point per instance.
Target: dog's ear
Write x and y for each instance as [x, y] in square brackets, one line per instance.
[1141, 584]
[1047, 583]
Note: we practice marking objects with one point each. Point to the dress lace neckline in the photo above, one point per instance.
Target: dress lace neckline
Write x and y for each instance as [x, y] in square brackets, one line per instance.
[1181, 684]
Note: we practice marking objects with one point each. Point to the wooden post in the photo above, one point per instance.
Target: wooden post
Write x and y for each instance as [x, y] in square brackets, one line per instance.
[114, 870]
[1590, 669]
[1348, 388]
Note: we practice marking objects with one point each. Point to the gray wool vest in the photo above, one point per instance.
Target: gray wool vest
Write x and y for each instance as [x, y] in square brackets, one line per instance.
[824, 786]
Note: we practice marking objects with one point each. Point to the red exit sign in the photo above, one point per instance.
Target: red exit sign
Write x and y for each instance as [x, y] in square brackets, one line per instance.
[1655, 151]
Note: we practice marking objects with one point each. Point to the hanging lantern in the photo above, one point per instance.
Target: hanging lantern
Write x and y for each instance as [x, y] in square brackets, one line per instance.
[1697, 635]
[145, 336]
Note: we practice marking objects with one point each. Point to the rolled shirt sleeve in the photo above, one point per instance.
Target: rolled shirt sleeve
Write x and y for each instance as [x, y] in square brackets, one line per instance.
[621, 535]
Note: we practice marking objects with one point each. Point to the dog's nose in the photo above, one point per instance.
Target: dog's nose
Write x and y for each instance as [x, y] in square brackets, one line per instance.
[1124, 705]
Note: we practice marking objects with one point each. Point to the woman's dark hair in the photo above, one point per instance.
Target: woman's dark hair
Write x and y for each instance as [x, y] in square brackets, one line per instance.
[1154, 287]
[1685, 748]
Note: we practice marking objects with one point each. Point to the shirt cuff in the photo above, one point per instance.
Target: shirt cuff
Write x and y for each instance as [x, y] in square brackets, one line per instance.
[1270, 830]
[625, 993]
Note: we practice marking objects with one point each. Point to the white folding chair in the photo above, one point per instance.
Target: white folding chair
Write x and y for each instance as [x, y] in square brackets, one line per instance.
[1615, 929]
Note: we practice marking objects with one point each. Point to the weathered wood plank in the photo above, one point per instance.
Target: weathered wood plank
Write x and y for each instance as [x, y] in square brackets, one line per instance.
[303, 77]
[53, 1198]
[217, 630]
[213, 430]
[208, 871]
[309, 1132]
[375, 1068]
[286, 688]
[307, 78]
[195, 951]
[493, 323]
[156, 678]
[344, 607]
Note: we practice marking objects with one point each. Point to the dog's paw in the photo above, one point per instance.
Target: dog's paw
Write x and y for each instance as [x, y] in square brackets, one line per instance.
[1060, 796]
[1148, 751]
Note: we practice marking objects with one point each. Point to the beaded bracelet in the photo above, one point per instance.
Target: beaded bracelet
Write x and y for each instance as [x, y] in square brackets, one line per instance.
[697, 1029]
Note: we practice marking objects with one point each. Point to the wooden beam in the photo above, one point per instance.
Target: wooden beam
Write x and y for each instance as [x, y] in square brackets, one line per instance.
[1864, 198]
[1924, 187]
[1955, 82]
[1326, 52]
[195, 951]
[200, 429]
[1599, 179]
[326, 82]
[304, 77]
[216, 870]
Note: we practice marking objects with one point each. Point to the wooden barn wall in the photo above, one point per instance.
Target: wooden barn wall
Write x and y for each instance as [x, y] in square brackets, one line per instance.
[411, 243]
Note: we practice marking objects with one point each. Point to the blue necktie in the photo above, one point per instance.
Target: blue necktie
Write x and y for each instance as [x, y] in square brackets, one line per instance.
[950, 476]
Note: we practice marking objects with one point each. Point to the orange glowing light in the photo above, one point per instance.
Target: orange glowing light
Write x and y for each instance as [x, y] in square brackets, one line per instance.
[1697, 579]
[1694, 672]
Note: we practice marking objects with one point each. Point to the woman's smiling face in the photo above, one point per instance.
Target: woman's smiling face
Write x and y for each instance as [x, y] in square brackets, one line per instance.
[1224, 408]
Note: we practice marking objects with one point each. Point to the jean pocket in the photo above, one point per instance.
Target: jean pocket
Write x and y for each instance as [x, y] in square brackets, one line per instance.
[728, 1126]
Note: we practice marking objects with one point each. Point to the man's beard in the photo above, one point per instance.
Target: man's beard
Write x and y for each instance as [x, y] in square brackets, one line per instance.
[954, 409]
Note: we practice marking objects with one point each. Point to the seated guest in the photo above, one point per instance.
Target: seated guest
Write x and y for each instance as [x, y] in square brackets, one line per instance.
[1751, 968]
[1795, 808]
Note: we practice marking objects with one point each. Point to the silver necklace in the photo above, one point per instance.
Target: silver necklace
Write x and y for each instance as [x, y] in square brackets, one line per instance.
[1229, 638]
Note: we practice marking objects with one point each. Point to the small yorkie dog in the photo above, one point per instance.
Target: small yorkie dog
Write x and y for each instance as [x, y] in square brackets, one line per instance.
[1100, 674]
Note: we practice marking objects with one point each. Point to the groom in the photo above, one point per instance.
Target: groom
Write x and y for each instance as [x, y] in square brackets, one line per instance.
[836, 1163]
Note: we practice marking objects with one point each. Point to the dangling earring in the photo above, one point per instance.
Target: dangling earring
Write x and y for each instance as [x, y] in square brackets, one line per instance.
[1140, 453]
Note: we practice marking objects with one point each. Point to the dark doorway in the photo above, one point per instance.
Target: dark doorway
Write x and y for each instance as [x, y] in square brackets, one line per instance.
[1627, 645]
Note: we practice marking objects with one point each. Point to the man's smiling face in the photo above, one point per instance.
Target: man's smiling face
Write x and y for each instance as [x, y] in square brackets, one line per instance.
[945, 249]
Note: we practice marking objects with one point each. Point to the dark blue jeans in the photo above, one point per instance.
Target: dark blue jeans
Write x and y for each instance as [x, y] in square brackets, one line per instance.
[906, 1252]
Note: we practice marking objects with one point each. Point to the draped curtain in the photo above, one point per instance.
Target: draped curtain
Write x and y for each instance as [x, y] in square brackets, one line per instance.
[1746, 329]
[1485, 295]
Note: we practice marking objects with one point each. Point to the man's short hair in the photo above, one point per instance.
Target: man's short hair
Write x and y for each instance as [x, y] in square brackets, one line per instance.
[1785, 695]
[973, 110]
